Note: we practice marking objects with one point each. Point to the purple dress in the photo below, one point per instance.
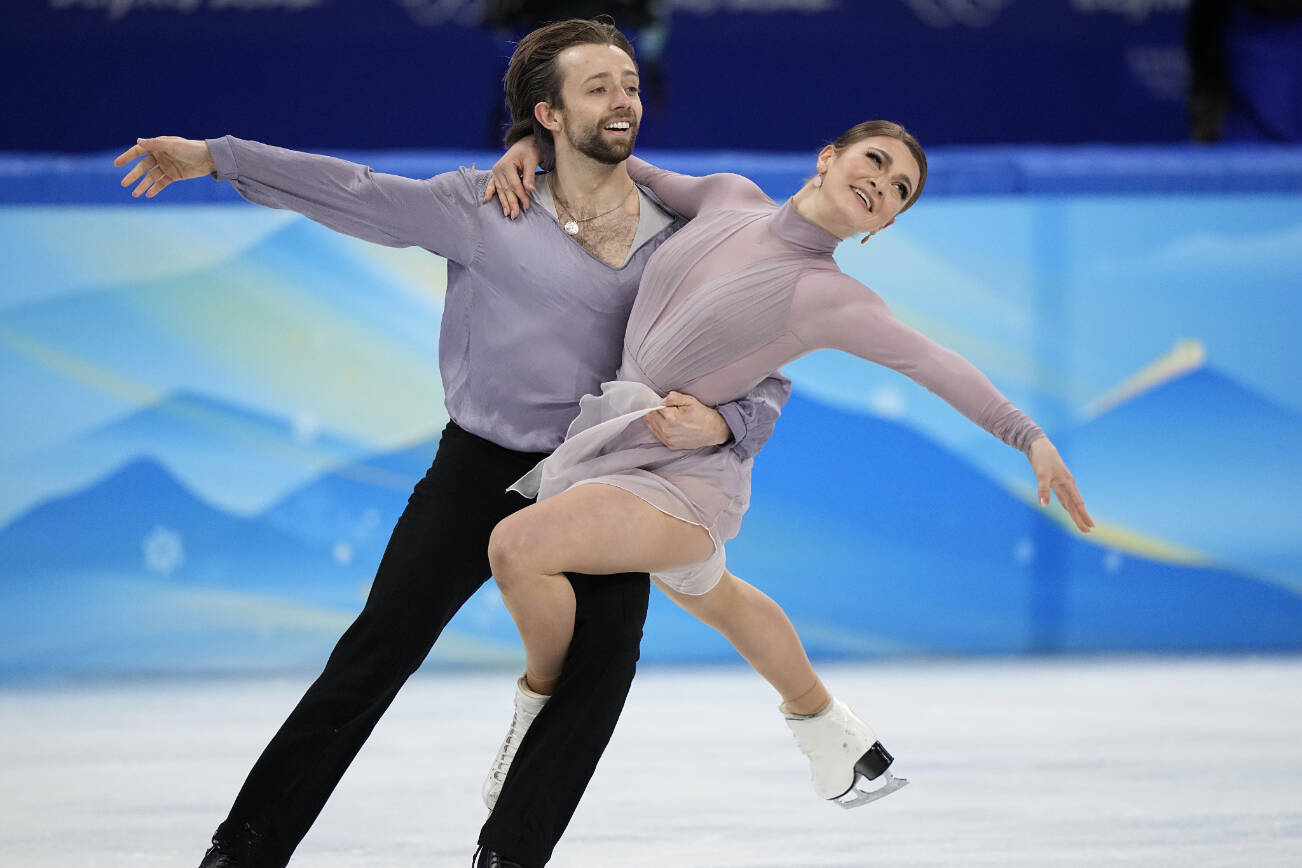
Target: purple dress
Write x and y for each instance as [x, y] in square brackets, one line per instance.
[746, 287]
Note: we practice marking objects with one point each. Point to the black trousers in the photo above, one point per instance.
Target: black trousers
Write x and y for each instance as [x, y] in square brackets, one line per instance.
[436, 558]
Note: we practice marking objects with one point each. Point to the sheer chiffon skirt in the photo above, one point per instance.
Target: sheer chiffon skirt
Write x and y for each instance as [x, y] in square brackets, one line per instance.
[609, 443]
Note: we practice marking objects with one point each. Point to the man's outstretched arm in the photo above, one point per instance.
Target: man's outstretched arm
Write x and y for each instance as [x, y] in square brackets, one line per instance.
[167, 159]
[347, 197]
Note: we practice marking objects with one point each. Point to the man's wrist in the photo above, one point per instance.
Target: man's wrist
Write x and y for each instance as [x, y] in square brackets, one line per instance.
[733, 422]
[222, 158]
[722, 432]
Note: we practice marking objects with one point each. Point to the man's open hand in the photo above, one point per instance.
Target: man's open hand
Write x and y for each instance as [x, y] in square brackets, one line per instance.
[166, 159]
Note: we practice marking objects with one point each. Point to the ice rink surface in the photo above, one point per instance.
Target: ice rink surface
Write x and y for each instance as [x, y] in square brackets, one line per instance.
[1013, 763]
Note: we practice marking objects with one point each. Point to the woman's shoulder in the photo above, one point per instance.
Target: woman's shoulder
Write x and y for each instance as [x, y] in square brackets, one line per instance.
[749, 192]
[733, 192]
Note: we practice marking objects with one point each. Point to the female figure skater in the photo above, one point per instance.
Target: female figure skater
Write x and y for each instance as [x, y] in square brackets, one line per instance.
[744, 288]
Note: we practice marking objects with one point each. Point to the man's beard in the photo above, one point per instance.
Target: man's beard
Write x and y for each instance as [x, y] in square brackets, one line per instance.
[591, 143]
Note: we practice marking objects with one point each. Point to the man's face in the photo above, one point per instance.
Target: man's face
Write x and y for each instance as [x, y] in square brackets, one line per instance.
[601, 107]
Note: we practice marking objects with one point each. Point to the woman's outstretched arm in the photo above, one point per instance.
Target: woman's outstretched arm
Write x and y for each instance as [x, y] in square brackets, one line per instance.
[834, 310]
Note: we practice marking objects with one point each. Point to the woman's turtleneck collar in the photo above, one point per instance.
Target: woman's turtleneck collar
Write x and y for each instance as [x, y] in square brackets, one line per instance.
[797, 230]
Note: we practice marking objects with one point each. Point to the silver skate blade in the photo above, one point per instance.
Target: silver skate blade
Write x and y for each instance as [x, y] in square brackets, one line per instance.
[859, 794]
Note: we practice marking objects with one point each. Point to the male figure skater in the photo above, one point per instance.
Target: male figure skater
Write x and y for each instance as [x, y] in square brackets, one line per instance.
[534, 319]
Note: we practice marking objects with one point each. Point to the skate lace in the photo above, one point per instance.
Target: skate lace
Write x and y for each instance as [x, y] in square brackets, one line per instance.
[506, 755]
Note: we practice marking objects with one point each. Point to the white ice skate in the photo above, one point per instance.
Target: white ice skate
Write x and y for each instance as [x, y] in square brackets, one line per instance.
[527, 706]
[848, 763]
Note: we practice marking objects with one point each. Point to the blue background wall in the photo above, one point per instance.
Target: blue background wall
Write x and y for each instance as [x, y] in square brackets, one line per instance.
[214, 412]
[773, 75]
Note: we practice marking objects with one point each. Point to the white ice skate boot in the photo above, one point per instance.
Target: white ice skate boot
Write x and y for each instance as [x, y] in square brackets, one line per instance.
[527, 706]
[844, 756]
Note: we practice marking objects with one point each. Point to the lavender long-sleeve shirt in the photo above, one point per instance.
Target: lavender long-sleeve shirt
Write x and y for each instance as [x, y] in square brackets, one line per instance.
[531, 321]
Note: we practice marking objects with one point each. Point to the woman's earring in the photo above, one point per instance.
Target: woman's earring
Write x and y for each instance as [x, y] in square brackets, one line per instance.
[865, 238]
[818, 181]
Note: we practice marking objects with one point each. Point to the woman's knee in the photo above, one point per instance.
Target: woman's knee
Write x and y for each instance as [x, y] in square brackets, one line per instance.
[510, 551]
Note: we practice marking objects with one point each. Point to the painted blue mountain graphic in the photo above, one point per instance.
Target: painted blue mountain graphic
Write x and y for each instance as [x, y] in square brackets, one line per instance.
[305, 325]
[353, 509]
[355, 504]
[324, 267]
[877, 541]
[234, 456]
[137, 574]
[1204, 461]
[140, 522]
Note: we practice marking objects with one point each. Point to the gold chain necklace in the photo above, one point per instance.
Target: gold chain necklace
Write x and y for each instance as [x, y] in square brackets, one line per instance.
[571, 226]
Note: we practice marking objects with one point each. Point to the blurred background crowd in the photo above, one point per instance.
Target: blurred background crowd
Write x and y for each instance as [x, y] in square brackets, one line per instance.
[770, 75]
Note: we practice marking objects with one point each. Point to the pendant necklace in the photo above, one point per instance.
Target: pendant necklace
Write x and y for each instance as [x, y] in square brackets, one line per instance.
[571, 226]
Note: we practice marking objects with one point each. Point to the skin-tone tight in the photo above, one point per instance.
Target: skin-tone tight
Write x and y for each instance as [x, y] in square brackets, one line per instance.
[597, 529]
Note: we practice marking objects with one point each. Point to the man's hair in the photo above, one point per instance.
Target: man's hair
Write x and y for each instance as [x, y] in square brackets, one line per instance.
[532, 76]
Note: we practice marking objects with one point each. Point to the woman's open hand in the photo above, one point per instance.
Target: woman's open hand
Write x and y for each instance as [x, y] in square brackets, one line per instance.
[512, 180]
[1051, 474]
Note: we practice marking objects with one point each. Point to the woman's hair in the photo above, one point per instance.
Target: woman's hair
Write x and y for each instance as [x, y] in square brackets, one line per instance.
[532, 76]
[868, 129]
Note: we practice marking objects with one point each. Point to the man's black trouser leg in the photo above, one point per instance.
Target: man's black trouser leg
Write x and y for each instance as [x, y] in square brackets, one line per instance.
[560, 752]
[436, 558]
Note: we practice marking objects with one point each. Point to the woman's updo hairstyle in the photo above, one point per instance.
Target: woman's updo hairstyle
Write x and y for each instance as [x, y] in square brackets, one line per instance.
[868, 129]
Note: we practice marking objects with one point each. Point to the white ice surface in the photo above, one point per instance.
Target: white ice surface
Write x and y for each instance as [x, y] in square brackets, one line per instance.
[1058, 763]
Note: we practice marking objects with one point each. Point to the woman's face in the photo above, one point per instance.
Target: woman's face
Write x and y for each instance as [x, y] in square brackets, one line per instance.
[867, 183]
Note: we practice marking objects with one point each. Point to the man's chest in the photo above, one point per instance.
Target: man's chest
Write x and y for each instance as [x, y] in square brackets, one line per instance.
[610, 241]
[533, 271]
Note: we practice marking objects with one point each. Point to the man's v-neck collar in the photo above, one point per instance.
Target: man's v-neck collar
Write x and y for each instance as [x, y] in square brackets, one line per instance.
[652, 218]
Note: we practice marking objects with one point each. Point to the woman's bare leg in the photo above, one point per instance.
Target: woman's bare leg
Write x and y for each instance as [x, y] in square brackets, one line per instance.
[843, 751]
[592, 528]
[759, 629]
